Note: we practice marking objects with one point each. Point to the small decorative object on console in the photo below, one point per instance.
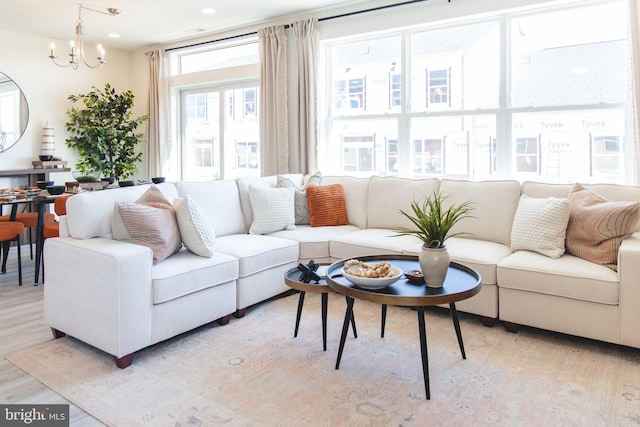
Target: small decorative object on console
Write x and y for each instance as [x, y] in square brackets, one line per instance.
[309, 272]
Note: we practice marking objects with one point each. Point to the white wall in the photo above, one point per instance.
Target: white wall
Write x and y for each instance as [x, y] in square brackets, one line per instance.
[46, 87]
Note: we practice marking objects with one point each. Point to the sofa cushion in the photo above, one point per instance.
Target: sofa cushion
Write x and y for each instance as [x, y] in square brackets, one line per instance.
[257, 253]
[300, 200]
[327, 205]
[371, 241]
[567, 276]
[185, 273]
[314, 241]
[273, 209]
[89, 214]
[220, 201]
[494, 207]
[355, 197]
[401, 191]
[540, 225]
[196, 232]
[480, 255]
[598, 226]
[153, 225]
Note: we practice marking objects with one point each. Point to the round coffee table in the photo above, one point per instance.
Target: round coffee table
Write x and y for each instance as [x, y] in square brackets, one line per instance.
[462, 282]
[293, 279]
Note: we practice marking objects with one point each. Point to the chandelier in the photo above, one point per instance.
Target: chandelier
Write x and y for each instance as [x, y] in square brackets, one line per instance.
[77, 45]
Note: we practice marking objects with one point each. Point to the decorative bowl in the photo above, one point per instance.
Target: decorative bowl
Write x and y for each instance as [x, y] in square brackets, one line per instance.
[55, 190]
[45, 157]
[157, 179]
[374, 283]
[126, 183]
[44, 184]
[415, 277]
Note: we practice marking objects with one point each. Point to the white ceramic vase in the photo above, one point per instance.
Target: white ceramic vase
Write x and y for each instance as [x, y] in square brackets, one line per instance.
[434, 263]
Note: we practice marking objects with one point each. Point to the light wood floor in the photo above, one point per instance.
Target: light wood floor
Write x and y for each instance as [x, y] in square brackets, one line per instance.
[22, 326]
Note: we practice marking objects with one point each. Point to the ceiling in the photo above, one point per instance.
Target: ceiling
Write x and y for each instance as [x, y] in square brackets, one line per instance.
[146, 22]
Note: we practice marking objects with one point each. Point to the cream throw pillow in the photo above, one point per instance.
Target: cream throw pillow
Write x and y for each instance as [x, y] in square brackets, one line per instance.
[273, 209]
[195, 229]
[597, 226]
[540, 225]
[300, 199]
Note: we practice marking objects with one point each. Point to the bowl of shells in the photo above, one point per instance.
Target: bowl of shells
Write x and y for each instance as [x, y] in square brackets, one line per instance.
[370, 276]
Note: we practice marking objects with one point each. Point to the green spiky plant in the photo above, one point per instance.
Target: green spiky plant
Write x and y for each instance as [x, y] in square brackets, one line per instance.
[432, 222]
[104, 132]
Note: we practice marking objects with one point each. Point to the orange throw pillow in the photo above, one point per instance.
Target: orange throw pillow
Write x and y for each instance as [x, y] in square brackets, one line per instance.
[597, 226]
[327, 205]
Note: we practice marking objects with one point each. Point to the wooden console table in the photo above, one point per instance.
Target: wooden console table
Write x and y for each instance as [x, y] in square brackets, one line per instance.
[32, 175]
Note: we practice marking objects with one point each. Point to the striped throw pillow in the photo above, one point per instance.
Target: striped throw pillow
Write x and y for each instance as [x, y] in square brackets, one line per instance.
[327, 205]
[597, 226]
[152, 224]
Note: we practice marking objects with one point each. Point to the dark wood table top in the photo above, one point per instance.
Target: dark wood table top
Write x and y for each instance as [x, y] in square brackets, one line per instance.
[462, 282]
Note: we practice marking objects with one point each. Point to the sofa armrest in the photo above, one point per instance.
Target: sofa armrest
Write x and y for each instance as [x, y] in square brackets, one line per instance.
[629, 272]
[99, 291]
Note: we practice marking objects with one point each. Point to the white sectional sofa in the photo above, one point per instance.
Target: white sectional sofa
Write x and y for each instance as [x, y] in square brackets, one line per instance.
[109, 294]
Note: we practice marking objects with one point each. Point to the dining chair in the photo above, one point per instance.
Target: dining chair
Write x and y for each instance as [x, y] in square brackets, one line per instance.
[60, 208]
[11, 231]
[30, 221]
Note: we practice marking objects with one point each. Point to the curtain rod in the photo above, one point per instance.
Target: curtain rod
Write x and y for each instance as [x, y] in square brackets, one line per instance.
[373, 9]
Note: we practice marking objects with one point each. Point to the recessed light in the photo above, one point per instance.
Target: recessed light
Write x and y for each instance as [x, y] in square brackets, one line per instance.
[208, 11]
[113, 35]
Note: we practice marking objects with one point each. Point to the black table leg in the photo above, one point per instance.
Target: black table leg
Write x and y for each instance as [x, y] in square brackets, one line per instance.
[456, 324]
[39, 241]
[353, 321]
[348, 316]
[423, 351]
[300, 304]
[383, 320]
[325, 303]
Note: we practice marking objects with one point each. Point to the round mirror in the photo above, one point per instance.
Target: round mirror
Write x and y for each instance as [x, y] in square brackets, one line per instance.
[14, 113]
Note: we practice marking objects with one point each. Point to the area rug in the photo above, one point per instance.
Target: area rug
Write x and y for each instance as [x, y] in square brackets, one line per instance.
[254, 372]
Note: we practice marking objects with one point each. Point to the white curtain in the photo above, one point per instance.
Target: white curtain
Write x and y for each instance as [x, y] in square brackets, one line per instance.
[273, 101]
[303, 127]
[634, 19]
[158, 124]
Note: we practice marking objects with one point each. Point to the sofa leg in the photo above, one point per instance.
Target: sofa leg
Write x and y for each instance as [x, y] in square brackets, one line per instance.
[224, 320]
[57, 334]
[510, 327]
[487, 321]
[240, 313]
[124, 361]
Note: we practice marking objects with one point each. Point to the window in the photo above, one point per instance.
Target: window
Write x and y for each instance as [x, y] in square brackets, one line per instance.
[559, 113]
[216, 145]
[438, 87]
[357, 153]
[216, 118]
[218, 56]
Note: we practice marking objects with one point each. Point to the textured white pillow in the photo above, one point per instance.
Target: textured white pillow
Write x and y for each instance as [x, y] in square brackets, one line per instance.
[195, 229]
[273, 209]
[300, 200]
[540, 225]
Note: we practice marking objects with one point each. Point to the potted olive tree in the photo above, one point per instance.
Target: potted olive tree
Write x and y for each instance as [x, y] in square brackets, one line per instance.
[104, 133]
[432, 223]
